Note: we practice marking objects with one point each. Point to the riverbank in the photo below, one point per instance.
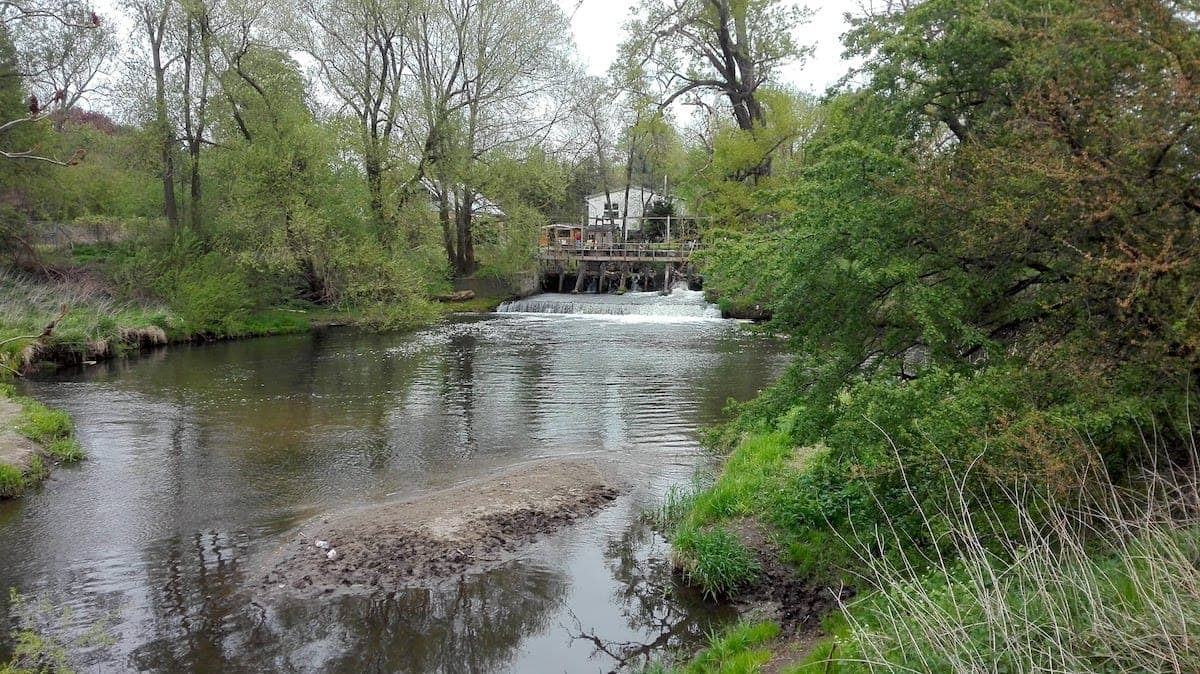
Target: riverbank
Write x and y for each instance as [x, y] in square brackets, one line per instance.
[32, 438]
[468, 528]
[97, 326]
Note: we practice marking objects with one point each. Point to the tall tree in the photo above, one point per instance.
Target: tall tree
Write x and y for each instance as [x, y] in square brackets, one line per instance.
[732, 47]
[362, 50]
[492, 75]
[40, 40]
[153, 19]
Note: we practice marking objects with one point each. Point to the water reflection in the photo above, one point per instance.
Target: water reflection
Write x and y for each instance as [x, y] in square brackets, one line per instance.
[200, 454]
[470, 625]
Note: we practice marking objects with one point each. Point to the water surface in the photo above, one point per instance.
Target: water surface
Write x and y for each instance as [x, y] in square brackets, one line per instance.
[198, 455]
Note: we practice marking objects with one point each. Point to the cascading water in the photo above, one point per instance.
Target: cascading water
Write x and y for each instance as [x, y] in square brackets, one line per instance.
[680, 304]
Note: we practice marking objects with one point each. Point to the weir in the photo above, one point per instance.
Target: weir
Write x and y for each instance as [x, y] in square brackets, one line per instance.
[680, 304]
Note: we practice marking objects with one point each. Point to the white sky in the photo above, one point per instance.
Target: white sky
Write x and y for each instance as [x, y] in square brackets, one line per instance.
[597, 27]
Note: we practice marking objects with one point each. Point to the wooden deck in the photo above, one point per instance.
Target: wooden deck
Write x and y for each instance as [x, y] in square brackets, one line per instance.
[629, 252]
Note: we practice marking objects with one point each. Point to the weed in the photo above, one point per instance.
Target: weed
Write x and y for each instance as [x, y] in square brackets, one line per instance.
[1106, 583]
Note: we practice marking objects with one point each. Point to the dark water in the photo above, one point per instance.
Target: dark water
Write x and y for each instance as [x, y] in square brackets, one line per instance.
[138, 559]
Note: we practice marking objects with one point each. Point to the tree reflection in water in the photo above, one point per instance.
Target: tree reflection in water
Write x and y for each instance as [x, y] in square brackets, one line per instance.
[652, 601]
[472, 624]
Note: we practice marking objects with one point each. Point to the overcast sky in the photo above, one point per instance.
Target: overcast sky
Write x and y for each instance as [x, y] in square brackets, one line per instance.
[597, 26]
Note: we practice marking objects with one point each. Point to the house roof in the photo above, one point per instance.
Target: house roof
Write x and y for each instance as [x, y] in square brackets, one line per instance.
[620, 192]
[481, 205]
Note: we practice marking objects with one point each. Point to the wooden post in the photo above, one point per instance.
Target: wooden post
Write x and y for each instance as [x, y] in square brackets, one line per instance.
[580, 278]
[562, 277]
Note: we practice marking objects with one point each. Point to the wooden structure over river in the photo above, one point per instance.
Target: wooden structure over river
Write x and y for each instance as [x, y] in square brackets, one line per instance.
[577, 258]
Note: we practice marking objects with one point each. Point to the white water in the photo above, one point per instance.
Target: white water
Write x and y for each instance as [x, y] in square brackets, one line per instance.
[680, 304]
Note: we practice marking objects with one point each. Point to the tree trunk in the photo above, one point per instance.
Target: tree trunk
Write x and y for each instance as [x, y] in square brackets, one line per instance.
[466, 247]
[166, 136]
[374, 170]
[194, 151]
[447, 228]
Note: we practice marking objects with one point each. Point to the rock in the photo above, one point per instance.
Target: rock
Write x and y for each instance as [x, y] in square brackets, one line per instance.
[332, 555]
[324, 545]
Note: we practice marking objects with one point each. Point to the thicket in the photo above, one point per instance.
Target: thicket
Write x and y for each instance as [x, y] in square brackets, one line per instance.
[992, 284]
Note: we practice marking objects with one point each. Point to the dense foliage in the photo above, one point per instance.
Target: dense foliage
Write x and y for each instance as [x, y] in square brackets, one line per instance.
[987, 259]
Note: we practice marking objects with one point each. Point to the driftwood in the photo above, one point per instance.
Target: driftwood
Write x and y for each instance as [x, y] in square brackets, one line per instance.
[459, 296]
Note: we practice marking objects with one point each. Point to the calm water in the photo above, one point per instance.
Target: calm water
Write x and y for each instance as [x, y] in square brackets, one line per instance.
[199, 455]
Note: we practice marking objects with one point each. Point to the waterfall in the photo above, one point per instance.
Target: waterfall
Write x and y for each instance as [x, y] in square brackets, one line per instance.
[680, 304]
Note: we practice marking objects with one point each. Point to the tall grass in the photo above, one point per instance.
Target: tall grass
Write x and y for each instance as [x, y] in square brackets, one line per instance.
[1106, 581]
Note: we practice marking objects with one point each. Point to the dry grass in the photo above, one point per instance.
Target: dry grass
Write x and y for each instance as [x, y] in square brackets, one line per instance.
[96, 325]
[1108, 581]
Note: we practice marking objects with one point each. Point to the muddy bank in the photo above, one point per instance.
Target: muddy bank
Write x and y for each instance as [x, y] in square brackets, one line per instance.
[439, 535]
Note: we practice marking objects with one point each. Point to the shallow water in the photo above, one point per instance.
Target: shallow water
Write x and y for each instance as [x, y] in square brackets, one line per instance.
[199, 454]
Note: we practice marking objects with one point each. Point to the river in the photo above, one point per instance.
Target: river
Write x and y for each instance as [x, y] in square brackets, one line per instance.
[198, 454]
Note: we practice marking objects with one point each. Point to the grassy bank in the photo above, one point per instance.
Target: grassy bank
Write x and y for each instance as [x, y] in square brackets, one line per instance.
[51, 430]
[97, 326]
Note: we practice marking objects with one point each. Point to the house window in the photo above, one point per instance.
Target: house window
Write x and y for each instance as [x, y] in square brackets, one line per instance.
[612, 211]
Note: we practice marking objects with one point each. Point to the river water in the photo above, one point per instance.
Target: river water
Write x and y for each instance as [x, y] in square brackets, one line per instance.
[138, 558]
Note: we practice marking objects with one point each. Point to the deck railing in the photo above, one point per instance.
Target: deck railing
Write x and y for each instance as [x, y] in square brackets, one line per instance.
[632, 251]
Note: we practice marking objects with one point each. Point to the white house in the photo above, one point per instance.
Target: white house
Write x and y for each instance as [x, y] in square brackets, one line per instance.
[610, 208]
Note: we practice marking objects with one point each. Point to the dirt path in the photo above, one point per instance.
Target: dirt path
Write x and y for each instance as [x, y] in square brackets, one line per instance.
[438, 535]
[15, 449]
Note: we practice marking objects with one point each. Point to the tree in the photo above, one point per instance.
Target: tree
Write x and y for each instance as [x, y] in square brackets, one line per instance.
[61, 61]
[40, 41]
[732, 47]
[363, 52]
[274, 165]
[153, 19]
[492, 75]
[596, 110]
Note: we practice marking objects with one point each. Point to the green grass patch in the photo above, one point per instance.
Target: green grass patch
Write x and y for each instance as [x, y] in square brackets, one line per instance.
[714, 560]
[740, 649]
[737, 651]
[66, 450]
[52, 429]
[12, 481]
[42, 424]
[707, 553]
